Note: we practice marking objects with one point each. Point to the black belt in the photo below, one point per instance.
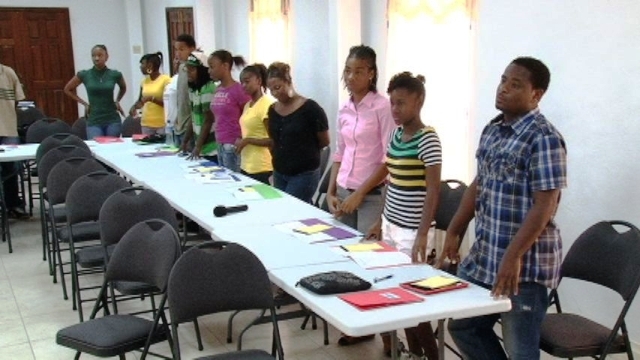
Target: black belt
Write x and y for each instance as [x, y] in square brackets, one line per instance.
[375, 191]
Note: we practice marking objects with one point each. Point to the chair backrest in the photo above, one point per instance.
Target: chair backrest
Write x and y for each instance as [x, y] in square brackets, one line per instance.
[26, 117]
[320, 199]
[607, 257]
[325, 153]
[88, 193]
[65, 173]
[79, 128]
[451, 192]
[206, 281]
[42, 128]
[55, 140]
[54, 156]
[129, 206]
[146, 253]
[131, 126]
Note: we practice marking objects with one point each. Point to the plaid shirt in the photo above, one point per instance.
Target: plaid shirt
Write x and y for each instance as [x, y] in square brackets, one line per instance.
[514, 161]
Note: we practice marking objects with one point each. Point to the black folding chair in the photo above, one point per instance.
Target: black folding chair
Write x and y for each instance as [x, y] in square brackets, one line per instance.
[605, 256]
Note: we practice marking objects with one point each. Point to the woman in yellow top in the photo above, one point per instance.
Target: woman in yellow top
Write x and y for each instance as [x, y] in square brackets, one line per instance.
[151, 95]
[255, 161]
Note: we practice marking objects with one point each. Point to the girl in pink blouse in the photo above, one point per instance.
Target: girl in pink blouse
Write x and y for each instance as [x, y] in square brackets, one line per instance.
[364, 127]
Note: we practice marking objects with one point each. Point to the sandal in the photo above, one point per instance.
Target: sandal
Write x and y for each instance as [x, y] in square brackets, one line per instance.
[346, 340]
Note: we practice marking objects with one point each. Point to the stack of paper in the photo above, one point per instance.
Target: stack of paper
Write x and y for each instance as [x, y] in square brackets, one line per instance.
[256, 192]
[208, 172]
[315, 230]
[380, 259]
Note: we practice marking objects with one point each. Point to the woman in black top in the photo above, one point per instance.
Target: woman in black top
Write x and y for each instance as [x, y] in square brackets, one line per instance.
[299, 129]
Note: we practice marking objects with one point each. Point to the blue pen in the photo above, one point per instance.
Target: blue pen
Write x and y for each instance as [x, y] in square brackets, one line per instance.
[382, 278]
[235, 177]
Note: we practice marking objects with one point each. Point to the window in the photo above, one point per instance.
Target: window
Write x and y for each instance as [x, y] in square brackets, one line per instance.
[269, 31]
[433, 38]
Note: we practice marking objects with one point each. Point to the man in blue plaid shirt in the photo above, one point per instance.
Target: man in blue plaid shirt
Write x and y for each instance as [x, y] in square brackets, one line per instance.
[517, 253]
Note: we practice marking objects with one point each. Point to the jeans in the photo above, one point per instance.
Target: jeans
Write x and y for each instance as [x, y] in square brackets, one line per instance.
[228, 158]
[113, 129]
[11, 184]
[302, 185]
[476, 339]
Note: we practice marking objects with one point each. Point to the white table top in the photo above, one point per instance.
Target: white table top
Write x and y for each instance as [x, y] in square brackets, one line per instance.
[18, 152]
[165, 175]
[461, 303]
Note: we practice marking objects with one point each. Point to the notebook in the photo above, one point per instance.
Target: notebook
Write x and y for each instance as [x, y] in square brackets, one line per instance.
[374, 299]
[434, 285]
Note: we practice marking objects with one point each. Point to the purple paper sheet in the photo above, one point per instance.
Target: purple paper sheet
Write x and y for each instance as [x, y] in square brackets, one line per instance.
[335, 232]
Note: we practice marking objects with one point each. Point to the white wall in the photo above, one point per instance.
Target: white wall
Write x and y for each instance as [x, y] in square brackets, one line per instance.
[109, 26]
[311, 43]
[592, 50]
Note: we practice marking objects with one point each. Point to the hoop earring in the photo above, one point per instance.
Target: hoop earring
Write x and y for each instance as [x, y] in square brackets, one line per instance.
[149, 71]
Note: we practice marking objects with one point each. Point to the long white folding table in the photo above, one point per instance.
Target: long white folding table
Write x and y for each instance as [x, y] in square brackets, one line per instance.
[21, 152]
[289, 259]
[197, 200]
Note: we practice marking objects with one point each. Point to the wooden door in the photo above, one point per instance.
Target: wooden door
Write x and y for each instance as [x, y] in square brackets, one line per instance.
[36, 43]
[179, 21]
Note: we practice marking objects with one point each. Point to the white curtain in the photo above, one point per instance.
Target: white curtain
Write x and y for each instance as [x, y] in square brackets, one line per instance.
[433, 38]
[269, 31]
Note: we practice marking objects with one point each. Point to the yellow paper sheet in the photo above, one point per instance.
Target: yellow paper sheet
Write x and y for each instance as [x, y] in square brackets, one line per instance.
[436, 282]
[313, 229]
[362, 247]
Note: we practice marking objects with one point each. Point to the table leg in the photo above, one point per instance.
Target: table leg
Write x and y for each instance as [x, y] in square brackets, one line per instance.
[394, 345]
[441, 339]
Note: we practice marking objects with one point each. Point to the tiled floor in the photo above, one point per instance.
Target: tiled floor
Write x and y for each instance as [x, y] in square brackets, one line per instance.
[32, 310]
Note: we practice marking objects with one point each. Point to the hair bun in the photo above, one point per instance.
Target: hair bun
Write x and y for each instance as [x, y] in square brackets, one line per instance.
[421, 78]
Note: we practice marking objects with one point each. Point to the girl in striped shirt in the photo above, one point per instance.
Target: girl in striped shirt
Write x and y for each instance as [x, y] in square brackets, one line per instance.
[414, 159]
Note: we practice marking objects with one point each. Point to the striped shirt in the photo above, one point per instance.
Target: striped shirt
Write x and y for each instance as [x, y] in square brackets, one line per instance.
[514, 161]
[10, 92]
[200, 103]
[406, 162]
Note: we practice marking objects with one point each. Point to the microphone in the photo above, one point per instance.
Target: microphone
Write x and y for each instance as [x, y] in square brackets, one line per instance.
[221, 210]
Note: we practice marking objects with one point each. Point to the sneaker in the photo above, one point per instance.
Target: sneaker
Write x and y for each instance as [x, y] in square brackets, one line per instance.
[18, 213]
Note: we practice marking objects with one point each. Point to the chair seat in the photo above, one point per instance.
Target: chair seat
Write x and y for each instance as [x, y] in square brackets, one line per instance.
[240, 355]
[109, 336]
[134, 287]
[59, 212]
[570, 335]
[92, 256]
[81, 232]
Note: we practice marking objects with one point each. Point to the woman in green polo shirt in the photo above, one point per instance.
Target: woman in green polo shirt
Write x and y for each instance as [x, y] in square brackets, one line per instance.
[101, 110]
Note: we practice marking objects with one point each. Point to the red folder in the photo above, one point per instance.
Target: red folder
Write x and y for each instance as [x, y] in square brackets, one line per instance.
[107, 139]
[426, 291]
[367, 300]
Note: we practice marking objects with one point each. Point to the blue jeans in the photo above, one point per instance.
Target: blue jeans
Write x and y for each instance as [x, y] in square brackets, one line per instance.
[11, 184]
[228, 158]
[302, 186]
[113, 129]
[476, 339]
